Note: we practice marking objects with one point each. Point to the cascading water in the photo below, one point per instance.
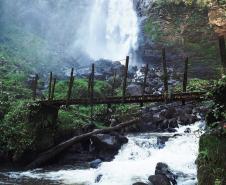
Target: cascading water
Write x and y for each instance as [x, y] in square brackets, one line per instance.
[135, 162]
[112, 29]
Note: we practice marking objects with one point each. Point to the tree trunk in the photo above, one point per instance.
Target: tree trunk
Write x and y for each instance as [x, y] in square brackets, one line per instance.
[222, 51]
[51, 153]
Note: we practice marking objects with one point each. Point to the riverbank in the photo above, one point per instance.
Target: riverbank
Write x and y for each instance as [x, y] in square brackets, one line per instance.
[212, 146]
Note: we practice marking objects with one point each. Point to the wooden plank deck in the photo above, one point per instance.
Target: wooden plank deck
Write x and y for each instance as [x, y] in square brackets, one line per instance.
[188, 96]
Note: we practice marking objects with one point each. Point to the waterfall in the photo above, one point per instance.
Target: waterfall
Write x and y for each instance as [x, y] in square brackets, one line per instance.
[112, 29]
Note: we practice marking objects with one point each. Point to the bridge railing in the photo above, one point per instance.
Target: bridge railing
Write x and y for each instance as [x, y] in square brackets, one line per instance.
[91, 99]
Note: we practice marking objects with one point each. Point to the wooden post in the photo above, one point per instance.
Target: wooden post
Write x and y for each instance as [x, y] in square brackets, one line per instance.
[35, 84]
[50, 85]
[144, 83]
[222, 52]
[70, 85]
[92, 91]
[185, 80]
[125, 78]
[165, 74]
[113, 84]
[53, 89]
[89, 85]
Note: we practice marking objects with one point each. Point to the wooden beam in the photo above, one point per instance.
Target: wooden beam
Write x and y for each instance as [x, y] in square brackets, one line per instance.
[125, 78]
[44, 157]
[50, 84]
[35, 85]
[165, 73]
[70, 85]
[145, 81]
[222, 52]
[53, 88]
[185, 79]
[113, 84]
[188, 96]
[92, 91]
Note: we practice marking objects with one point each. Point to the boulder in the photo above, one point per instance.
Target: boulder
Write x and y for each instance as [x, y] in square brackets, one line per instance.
[134, 90]
[95, 164]
[108, 141]
[163, 169]
[170, 113]
[161, 141]
[159, 180]
[106, 146]
[140, 183]
[98, 178]
[187, 130]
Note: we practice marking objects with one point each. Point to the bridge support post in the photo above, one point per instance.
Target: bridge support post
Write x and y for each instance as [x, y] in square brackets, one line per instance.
[53, 89]
[185, 80]
[222, 52]
[113, 84]
[144, 83]
[70, 86]
[35, 85]
[91, 91]
[125, 78]
[50, 84]
[165, 73]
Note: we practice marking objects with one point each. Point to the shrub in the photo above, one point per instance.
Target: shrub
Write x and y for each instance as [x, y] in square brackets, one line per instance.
[16, 135]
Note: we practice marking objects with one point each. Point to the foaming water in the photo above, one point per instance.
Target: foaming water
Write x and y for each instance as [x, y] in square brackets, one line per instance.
[112, 29]
[136, 161]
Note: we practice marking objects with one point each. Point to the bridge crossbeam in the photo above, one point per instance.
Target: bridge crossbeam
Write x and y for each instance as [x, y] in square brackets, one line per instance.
[128, 99]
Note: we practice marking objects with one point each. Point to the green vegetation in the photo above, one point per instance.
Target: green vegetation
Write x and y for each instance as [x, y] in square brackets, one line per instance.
[16, 132]
[212, 146]
[195, 85]
[201, 3]
[80, 89]
[185, 28]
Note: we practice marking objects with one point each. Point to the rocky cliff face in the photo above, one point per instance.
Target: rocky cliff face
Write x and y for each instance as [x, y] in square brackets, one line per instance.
[217, 18]
[184, 30]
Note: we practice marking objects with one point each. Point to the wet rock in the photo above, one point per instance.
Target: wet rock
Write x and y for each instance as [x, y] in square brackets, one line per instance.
[163, 169]
[134, 90]
[176, 135]
[140, 183]
[95, 164]
[187, 130]
[106, 146]
[161, 141]
[170, 113]
[98, 178]
[173, 123]
[171, 130]
[108, 141]
[159, 180]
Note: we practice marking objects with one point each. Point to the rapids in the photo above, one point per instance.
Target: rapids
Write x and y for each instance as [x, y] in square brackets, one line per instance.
[136, 161]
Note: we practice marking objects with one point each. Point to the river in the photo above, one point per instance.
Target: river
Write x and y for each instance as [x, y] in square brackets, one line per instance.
[136, 161]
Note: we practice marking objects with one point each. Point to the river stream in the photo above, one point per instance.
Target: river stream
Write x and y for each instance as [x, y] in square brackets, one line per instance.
[136, 161]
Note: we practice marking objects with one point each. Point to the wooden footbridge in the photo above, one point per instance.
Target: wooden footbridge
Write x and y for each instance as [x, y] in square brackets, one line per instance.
[166, 96]
[47, 113]
[128, 99]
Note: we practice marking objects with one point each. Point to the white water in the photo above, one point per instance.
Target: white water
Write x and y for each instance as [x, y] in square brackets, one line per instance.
[136, 161]
[112, 29]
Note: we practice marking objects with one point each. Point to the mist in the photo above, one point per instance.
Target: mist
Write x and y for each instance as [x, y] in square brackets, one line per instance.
[82, 30]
